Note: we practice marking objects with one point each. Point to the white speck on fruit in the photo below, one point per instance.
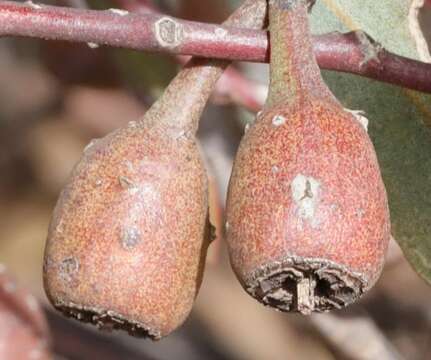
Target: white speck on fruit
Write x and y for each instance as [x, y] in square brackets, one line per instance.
[60, 227]
[275, 169]
[360, 212]
[129, 165]
[278, 120]
[180, 135]
[126, 183]
[90, 144]
[359, 115]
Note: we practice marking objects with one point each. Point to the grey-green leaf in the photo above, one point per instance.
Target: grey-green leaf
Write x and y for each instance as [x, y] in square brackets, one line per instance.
[385, 20]
[403, 144]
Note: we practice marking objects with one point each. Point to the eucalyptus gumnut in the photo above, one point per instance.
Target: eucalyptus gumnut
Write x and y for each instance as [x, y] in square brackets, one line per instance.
[128, 237]
[307, 213]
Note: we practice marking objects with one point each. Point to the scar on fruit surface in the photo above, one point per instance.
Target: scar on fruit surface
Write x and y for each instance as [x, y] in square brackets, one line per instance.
[68, 268]
[305, 193]
[130, 238]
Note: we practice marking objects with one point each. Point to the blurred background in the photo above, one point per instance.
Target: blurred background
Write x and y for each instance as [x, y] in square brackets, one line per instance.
[55, 97]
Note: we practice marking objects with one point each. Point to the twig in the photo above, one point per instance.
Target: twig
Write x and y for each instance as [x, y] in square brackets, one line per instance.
[357, 53]
[233, 86]
[353, 52]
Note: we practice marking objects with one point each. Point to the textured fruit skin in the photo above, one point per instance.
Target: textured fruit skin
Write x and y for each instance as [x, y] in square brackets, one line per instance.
[127, 241]
[129, 234]
[306, 201]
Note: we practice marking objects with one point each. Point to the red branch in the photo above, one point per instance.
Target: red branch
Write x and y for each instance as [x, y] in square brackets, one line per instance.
[353, 52]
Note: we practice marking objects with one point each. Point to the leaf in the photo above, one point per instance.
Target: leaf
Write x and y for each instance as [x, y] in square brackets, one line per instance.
[403, 146]
[385, 20]
[400, 119]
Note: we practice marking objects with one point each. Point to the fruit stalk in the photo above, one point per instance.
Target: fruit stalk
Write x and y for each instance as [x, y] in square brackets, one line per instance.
[294, 71]
[202, 73]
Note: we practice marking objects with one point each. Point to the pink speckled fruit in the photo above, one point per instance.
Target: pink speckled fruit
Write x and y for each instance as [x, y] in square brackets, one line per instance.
[128, 237]
[126, 243]
[307, 214]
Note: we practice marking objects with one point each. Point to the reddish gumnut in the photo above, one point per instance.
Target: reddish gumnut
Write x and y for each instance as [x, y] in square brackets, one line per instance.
[127, 242]
[307, 214]
[23, 329]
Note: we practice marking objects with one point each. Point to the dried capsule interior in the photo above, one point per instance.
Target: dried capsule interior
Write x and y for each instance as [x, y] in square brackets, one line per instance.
[305, 285]
[108, 320]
